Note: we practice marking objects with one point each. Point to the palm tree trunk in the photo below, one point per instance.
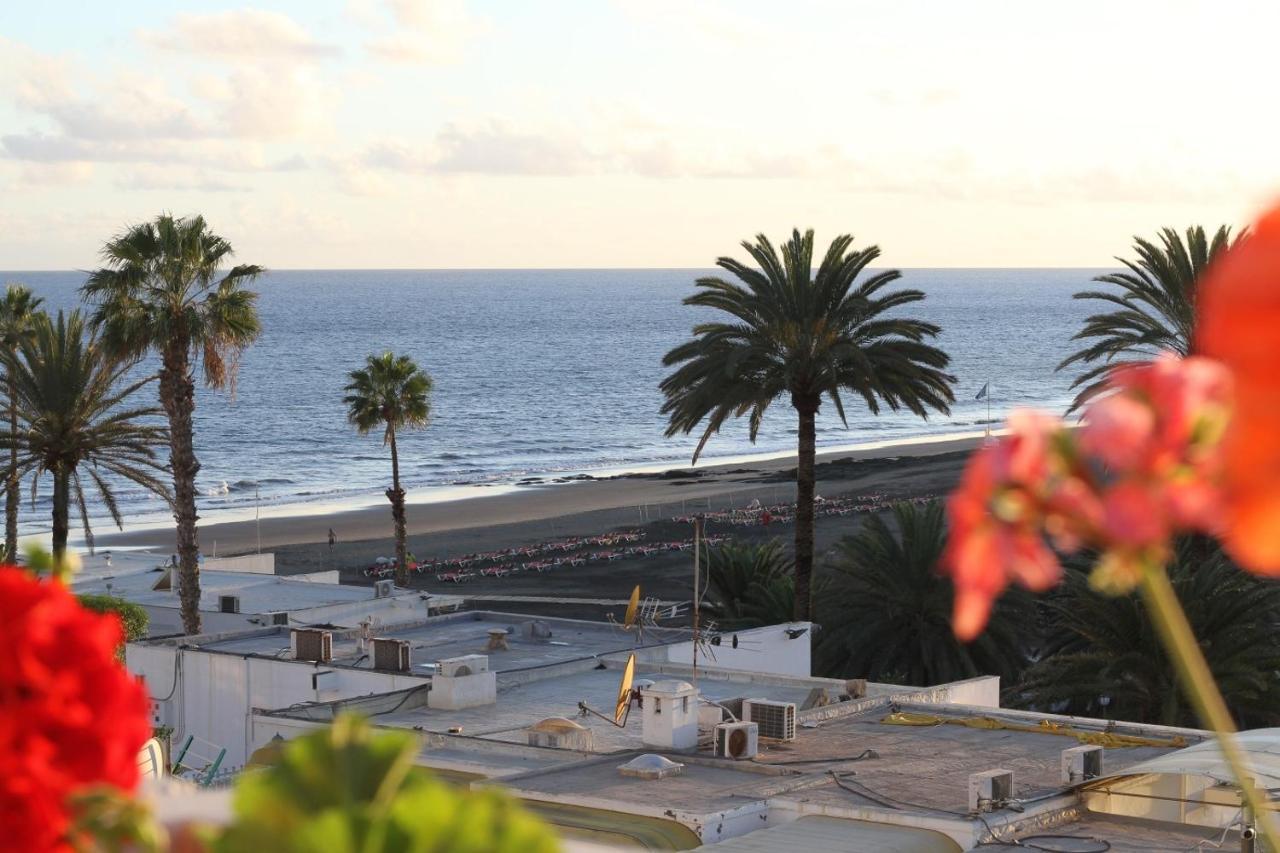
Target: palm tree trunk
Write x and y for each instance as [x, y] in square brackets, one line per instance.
[11, 481]
[61, 516]
[804, 507]
[177, 396]
[395, 494]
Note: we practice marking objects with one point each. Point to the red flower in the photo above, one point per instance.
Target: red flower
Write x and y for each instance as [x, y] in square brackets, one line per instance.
[1238, 318]
[996, 517]
[70, 715]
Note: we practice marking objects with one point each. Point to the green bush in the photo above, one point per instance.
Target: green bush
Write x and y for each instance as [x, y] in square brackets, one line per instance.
[132, 616]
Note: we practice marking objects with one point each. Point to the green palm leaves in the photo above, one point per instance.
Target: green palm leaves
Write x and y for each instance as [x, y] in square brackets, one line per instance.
[390, 392]
[805, 335]
[17, 311]
[76, 422]
[1154, 310]
[886, 612]
[163, 290]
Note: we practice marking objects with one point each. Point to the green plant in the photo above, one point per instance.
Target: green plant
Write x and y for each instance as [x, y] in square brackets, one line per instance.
[133, 617]
[163, 290]
[390, 392]
[1154, 310]
[799, 334]
[749, 585]
[886, 612]
[349, 788]
[18, 309]
[1104, 656]
[75, 422]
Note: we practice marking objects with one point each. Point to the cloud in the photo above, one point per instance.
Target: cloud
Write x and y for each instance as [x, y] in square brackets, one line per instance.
[425, 31]
[168, 179]
[251, 34]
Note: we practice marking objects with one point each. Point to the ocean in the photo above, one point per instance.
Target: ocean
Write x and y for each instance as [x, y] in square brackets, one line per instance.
[543, 374]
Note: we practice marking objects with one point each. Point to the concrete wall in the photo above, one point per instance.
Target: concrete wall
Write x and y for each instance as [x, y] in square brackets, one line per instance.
[216, 692]
[767, 650]
[258, 564]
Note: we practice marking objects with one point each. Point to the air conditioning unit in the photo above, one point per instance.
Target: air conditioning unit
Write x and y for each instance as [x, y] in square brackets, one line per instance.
[737, 740]
[280, 617]
[312, 644]
[384, 589]
[777, 720]
[1080, 764]
[990, 790]
[391, 654]
[465, 665]
[228, 604]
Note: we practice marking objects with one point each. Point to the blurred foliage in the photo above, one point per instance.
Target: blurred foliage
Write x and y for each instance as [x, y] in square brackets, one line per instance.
[133, 617]
[350, 788]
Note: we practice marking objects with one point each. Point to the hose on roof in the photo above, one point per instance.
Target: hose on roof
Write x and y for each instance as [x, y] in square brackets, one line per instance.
[1110, 740]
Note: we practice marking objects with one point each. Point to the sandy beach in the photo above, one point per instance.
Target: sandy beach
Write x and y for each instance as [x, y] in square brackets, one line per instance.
[541, 511]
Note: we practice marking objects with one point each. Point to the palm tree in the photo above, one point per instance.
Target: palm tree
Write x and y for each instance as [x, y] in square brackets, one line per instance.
[17, 309]
[749, 585]
[1104, 658]
[162, 290]
[886, 612]
[75, 423]
[1154, 310]
[799, 335]
[391, 392]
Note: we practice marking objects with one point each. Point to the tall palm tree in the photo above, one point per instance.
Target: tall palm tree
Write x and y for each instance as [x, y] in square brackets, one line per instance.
[803, 336]
[1104, 658]
[749, 585]
[75, 421]
[17, 309]
[163, 290]
[390, 392]
[886, 612]
[1154, 311]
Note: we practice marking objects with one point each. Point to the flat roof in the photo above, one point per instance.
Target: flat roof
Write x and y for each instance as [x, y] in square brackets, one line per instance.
[523, 702]
[259, 593]
[555, 641]
[927, 767]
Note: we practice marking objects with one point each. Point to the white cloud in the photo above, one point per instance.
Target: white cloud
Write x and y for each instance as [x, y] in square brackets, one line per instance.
[425, 31]
[251, 34]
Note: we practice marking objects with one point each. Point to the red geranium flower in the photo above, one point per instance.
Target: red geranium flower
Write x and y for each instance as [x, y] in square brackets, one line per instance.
[70, 715]
[1238, 322]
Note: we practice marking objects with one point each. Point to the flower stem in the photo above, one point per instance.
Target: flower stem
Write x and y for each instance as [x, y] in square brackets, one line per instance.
[1198, 683]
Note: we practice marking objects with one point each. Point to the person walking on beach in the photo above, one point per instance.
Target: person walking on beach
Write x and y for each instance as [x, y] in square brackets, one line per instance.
[333, 539]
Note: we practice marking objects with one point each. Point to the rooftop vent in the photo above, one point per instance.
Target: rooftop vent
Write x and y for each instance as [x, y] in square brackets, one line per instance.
[384, 589]
[560, 733]
[777, 720]
[1080, 764]
[391, 654]
[990, 790]
[279, 618]
[312, 644]
[228, 604]
[650, 766]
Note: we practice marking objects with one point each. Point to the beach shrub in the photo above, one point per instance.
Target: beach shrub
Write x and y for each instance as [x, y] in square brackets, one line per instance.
[133, 617]
[749, 585]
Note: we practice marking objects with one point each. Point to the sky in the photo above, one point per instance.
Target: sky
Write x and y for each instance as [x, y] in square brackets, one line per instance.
[632, 133]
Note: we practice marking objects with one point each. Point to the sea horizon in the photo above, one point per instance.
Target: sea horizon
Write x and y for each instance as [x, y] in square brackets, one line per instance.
[541, 373]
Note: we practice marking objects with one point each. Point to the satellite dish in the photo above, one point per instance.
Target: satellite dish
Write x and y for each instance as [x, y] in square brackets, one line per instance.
[633, 606]
[624, 689]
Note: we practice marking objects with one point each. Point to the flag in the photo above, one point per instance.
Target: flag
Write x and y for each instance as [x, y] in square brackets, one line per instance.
[983, 393]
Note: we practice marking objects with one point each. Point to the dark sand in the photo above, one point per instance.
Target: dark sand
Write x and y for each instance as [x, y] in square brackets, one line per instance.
[539, 512]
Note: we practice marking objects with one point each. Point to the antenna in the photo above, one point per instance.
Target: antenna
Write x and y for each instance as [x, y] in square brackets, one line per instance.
[622, 706]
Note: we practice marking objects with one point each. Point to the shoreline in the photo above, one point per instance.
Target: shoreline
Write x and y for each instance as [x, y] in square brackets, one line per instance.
[637, 493]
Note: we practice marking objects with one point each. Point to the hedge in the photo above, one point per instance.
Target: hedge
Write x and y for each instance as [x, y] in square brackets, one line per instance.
[132, 616]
